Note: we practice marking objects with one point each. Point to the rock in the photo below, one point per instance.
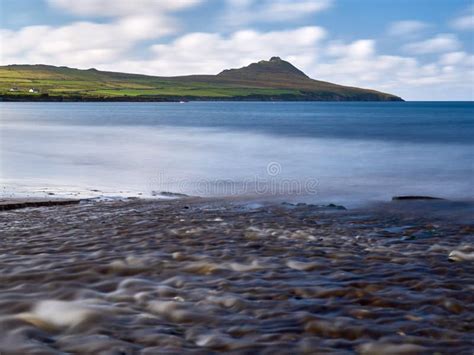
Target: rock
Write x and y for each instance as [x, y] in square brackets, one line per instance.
[415, 198]
[337, 207]
[168, 194]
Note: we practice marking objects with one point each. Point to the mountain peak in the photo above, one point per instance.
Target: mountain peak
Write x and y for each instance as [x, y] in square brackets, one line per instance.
[275, 59]
[275, 68]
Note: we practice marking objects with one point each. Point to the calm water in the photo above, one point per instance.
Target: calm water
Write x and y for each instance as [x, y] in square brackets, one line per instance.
[322, 152]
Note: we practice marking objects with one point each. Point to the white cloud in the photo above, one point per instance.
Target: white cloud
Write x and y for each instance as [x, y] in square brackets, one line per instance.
[240, 12]
[358, 49]
[440, 43]
[466, 21]
[406, 28]
[358, 64]
[289, 10]
[107, 8]
[355, 63]
[454, 58]
[210, 53]
[86, 43]
[80, 43]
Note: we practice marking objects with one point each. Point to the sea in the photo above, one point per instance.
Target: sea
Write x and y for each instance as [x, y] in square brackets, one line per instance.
[320, 152]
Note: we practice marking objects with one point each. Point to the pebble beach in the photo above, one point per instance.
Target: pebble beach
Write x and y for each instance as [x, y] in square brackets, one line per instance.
[205, 276]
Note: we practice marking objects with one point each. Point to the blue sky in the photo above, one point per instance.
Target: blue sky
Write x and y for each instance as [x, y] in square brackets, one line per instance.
[418, 49]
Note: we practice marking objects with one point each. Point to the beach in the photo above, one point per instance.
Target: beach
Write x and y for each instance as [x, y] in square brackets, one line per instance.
[294, 244]
[275, 177]
[202, 275]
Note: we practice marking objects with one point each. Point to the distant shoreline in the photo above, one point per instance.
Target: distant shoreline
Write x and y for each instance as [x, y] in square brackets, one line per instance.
[253, 98]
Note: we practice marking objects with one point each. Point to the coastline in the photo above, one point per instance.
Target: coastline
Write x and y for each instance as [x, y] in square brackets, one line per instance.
[250, 98]
[202, 274]
[181, 99]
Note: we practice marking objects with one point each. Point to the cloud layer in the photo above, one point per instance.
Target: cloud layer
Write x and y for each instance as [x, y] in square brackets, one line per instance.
[440, 43]
[465, 22]
[209, 53]
[406, 28]
[241, 12]
[82, 44]
[121, 8]
[89, 44]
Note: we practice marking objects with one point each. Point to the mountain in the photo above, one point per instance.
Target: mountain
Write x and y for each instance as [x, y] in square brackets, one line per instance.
[274, 79]
[275, 68]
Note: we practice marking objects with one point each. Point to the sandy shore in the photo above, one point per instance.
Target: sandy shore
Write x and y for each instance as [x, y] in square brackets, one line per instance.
[204, 276]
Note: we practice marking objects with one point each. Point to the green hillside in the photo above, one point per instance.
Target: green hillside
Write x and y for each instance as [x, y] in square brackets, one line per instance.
[275, 79]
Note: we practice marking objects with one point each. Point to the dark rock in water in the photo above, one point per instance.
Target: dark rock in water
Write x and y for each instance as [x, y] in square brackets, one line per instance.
[331, 206]
[168, 194]
[414, 197]
[337, 207]
[26, 204]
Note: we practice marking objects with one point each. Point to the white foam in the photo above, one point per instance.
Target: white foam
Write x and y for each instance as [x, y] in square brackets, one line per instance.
[253, 266]
[220, 341]
[377, 348]
[302, 266]
[202, 267]
[131, 263]
[60, 314]
[179, 312]
[457, 255]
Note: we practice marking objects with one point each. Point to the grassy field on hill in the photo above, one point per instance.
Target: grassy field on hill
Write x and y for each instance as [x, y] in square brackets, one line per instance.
[265, 80]
[71, 82]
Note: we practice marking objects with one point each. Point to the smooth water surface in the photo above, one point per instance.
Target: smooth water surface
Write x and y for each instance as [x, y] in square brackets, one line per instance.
[314, 151]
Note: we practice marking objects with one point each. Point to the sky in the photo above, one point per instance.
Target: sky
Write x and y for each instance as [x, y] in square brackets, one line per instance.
[417, 49]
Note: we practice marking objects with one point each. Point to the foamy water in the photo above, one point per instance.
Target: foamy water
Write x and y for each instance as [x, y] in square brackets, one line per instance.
[194, 276]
